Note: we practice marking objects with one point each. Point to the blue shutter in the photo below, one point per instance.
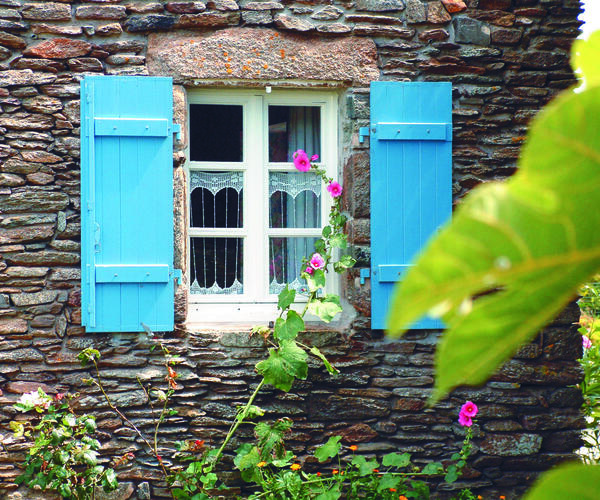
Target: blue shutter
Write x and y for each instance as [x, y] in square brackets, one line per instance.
[411, 181]
[126, 203]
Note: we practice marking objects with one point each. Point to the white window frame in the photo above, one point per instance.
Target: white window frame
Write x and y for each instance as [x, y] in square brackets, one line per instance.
[255, 304]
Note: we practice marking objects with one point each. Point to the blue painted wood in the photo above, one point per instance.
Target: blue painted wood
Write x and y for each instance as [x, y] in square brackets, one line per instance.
[149, 273]
[127, 203]
[131, 127]
[411, 181]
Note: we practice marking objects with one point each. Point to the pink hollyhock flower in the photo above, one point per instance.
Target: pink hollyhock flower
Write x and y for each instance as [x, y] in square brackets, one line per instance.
[334, 189]
[60, 396]
[301, 161]
[314, 158]
[587, 343]
[464, 420]
[469, 409]
[308, 270]
[317, 261]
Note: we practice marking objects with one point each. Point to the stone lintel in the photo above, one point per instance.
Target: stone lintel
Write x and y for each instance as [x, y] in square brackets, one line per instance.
[258, 57]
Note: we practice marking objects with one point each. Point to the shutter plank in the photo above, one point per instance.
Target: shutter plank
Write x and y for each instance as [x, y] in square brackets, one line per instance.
[411, 181]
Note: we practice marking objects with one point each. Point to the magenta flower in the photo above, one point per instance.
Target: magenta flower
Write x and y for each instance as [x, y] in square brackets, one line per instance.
[469, 409]
[308, 270]
[464, 420]
[314, 158]
[317, 261]
[587, 343]
[301, 161]
[334, 189]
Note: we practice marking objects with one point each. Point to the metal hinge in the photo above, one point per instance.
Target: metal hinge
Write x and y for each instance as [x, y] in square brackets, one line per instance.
[364, 274]
[177, 276]
[177, 131]
[362, 133]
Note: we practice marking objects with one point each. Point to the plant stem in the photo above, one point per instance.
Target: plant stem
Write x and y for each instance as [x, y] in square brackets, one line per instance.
[238, 421]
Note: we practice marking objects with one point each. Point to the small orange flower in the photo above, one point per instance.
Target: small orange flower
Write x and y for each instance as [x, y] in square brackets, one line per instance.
[402, 497]
[502, 497]
[353, 447]
[295, 466]
[393, 490]
[261, 464]
[171, 372]
[334, 471]
[375, 470]
[342, 473]
[479, 497]
[318, 474]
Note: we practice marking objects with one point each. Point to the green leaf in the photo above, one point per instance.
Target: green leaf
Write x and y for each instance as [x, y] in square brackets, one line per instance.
[328, 366]
[88, 355]
[247, 456]
[90, 457]
[347, 261]
[332, 494]
[567, 481]
[326, 231]
[271, 437]
[65, 490]
[338, 241]
[320, 246]
[396, 460]
[585, 58]
[110, 482]
[316, 280]
[326, 307]
[289, 328]
[330, 449]
[451, 474]
[521, 247]
[69, 420]
[433, 468]
[284, 365]
[365, 467]
[286, 297]
[388, 481]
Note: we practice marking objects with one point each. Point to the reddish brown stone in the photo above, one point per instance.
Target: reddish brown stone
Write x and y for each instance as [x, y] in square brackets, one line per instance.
[185, 7]
[495, 4]
[47, 11]
[23, 387]
[40, 157]
[436, 14]
[40, 179]
[12, 41]
[208, 20]
[409, 404]
[293, 23]
[59, 48]
[453, 6]
[497, 17]
[505, 36]
[10, 325]
[358, 433]
[277, 56]
[25, 234]
[52, 29]
[436, 34]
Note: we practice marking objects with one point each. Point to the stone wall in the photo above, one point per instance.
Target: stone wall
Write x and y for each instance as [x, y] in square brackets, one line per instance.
[506, 59]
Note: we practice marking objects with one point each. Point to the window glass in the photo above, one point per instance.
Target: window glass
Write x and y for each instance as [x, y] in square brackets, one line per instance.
[294, 200]
[216, 266]
[285, 262]
[292, 128]
[216, 132]
[216, 199]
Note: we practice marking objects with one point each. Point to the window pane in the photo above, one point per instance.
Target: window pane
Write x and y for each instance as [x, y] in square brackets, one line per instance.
[216, 132]
[285, 262]
[216, 266]
[294, 200]
[292, 128]
[216, 199]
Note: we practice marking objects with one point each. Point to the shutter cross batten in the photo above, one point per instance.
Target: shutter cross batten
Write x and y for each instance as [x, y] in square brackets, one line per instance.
[127, 203]
[411, 181]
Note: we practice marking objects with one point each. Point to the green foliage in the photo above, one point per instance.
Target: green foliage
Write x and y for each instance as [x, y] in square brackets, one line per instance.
[63, 454]
[284, 365]
[326, 308]
[585, 58]
[515, 252]
[330, 449]
[568, 481]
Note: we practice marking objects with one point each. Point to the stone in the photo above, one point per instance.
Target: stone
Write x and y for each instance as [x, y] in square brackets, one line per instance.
[4, 53]
[40, 179]
[120, 60]
[185, 7]
[25, 121]
[511, 445]
[143, 491]
[257, 17]
[222, 4]
[358, 433]
[59, 48]
[84, 64]
[543, 60]
[379, 5]
[392, 31]
[12, 41]
[100, 12]
[505, 36]
[437, 14]
[11, 180]
[263, 6]
[150, 22]
[26, 272]
[23, 387]
[144, 8]
[134, 46]
[38, 201]
[8, 325]
[24, 77]
[293, 23]
[453, 6]
[52, 29]
[331, 407]
[10, 14]
[47, 11]
[436, 34]
[43, 258]
[42, 104]
[13, 26]
[329, 13]
[27, 220]
[38, 65]
[66, 90]
[284, 56]
[495, 4]
[109, 29]
[333, 28]
[26, 234]
[416, 12]
[467, 30]
[40, 157]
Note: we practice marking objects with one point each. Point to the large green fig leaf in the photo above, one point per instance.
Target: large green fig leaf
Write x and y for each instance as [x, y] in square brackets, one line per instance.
[568, 481]
[515, 252]
[585, 58]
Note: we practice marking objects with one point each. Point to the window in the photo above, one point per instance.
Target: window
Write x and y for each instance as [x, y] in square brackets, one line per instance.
[252, 215]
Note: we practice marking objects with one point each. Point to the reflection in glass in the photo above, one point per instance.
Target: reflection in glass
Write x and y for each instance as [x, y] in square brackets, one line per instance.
[285, 262]
[216, 132]
[216, 266]
[292, 128]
